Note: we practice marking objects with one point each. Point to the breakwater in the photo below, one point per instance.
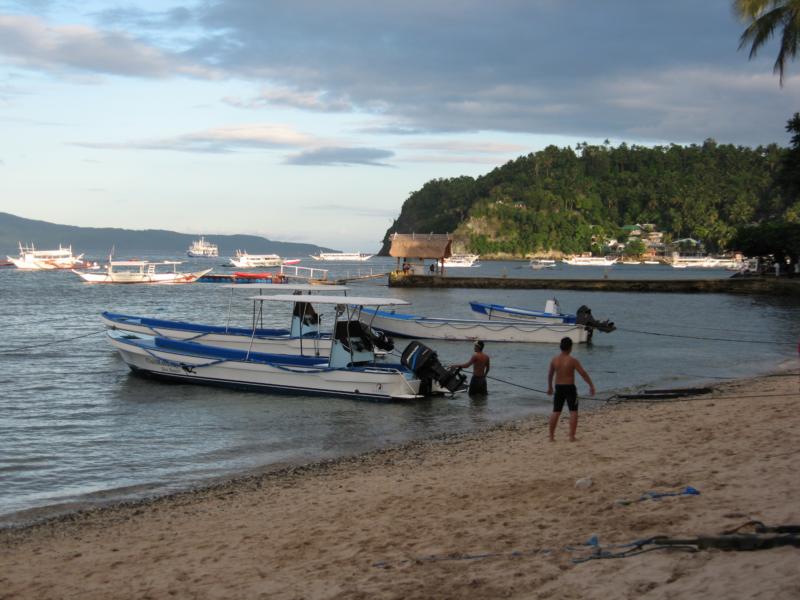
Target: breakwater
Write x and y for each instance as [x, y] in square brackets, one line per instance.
[733, 285]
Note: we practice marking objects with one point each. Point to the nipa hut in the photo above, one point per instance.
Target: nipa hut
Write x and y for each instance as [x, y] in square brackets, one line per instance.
[414, 249]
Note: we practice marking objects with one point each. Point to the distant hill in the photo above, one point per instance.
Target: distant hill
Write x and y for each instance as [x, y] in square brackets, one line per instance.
[96, 242]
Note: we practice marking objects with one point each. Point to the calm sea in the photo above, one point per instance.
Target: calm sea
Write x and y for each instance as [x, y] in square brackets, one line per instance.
[76, 428]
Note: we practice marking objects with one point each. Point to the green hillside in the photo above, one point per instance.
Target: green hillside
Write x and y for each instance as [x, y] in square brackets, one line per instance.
[96, 242]
[560, 199]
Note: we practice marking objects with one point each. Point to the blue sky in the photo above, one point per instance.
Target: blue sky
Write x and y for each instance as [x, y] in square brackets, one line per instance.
[314, 121]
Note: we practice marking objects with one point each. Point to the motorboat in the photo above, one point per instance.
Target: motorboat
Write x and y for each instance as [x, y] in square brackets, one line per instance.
[243, 260]
[507, 330]
[304, 337]
[203, 249]
[631, 262]
[551, 314]
[31, 259]
[461, 260]
[141, 271]
[706, 262]
[342, 256]
[349, 371]
[537, 264]
[590, 261]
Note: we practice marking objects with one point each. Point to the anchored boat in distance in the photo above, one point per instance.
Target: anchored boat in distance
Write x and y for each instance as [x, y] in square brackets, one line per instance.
[342, 256]
[203, 249]
[31, 259]
[140, 271]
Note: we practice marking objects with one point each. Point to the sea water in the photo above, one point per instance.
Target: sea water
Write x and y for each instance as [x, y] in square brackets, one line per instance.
[77, 428]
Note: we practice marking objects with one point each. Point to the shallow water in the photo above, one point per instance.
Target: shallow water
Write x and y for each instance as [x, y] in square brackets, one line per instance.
[76, 426]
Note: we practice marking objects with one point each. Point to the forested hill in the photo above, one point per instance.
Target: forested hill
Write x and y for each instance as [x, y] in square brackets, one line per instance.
[559, 198]
[97, 242]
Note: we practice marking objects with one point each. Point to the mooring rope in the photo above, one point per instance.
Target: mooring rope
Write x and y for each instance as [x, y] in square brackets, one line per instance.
[51, 342]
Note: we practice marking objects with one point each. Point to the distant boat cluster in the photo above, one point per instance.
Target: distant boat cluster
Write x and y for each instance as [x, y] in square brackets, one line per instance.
[166, 272]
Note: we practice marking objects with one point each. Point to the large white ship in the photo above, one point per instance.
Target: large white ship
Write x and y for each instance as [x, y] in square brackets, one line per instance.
[31, 259]
[342, 256]
[203, 249]
[243, 260]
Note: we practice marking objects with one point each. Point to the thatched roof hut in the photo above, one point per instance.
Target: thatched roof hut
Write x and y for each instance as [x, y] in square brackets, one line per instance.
[421, 246]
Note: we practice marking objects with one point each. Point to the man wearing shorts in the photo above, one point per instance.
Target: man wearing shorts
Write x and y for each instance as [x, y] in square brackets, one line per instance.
[480, 364]
[563, 367]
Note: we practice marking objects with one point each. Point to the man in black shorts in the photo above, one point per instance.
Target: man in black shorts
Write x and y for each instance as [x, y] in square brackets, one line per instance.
[480, 364]
[563, 367]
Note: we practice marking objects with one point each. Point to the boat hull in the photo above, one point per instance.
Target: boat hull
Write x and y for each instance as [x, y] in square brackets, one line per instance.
[143, 355]
[411, 326]
[136, 277]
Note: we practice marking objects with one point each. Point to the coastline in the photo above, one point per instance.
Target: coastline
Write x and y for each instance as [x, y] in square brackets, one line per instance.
[367, 525]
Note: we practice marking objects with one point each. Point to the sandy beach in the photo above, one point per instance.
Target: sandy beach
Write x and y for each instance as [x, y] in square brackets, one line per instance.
[495, 514]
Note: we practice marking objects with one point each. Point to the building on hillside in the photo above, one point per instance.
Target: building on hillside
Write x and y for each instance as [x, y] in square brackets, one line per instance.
[420, 254]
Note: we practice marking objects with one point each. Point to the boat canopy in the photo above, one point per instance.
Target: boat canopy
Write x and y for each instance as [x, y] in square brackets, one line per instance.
[350, 300]
[286, 287]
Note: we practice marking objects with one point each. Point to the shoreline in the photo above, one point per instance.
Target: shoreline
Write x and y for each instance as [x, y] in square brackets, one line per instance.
[319, 530]
[90, 503]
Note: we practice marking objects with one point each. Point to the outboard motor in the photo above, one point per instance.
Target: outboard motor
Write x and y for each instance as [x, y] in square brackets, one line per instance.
[425, 364]
[584, 317]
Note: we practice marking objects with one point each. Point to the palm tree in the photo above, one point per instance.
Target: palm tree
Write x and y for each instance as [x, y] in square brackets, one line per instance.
[765, 16]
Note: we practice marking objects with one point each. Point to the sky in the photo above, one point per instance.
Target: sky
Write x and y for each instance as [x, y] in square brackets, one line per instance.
[313, 121]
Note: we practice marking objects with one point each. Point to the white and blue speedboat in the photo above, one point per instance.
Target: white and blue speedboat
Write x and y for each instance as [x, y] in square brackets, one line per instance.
[304, 337]
[350, 370]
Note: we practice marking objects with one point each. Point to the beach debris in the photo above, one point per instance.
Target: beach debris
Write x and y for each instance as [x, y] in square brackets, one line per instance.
[687, 491]
[583, 483]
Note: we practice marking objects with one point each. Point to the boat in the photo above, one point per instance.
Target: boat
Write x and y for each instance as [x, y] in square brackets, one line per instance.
[243, 260]
[508, 330]
[303, 337]
[461, 260]
[551, 314]
[349, 371]
[652, 262]
[538, 264]
[140, 271]
[31, 259]
[706, 262]
[590, 261]
[631, 262]
[342, 256]
[203, 249]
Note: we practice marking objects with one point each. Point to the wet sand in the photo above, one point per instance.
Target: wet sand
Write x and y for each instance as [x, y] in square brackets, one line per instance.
[485, 515]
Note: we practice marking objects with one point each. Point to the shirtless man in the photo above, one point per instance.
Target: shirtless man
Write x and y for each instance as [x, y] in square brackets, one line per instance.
[563, 367]
[480, 364]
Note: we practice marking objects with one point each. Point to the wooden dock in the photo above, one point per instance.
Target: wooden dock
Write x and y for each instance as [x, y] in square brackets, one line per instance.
[775, 286]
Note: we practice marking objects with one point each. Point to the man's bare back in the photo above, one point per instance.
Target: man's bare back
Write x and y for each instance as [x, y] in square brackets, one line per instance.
[564, 366]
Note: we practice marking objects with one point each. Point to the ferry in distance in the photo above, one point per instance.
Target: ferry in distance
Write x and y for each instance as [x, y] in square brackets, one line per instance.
[31, 259]
[590, 261]
[461, 260]
[203, 249]
[342, 256]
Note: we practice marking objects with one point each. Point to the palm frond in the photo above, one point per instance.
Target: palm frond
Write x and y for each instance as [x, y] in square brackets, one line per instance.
[761, 30]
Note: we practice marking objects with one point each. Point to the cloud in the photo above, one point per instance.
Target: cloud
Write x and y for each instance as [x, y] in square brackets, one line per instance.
[31, 42]
[313, 101]
[219, 140]
[333, 156]
[527, 66]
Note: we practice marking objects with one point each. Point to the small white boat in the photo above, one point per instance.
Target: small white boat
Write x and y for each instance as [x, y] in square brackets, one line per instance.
[31, 259]
[342, 256]
[537, 264]
[631, 262]
[203, 249]
[140, 271]
[551, 314]
[461, 260]
[349, 371]
[590, 261]
[243, 260]
[303, 337]
[415, 326]
[652, 262]
[706, 262]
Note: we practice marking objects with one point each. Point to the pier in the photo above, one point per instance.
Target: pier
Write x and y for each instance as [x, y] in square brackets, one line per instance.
[776, 286]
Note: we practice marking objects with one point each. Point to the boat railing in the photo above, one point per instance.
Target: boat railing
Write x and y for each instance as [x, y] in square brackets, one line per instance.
[308, 273]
